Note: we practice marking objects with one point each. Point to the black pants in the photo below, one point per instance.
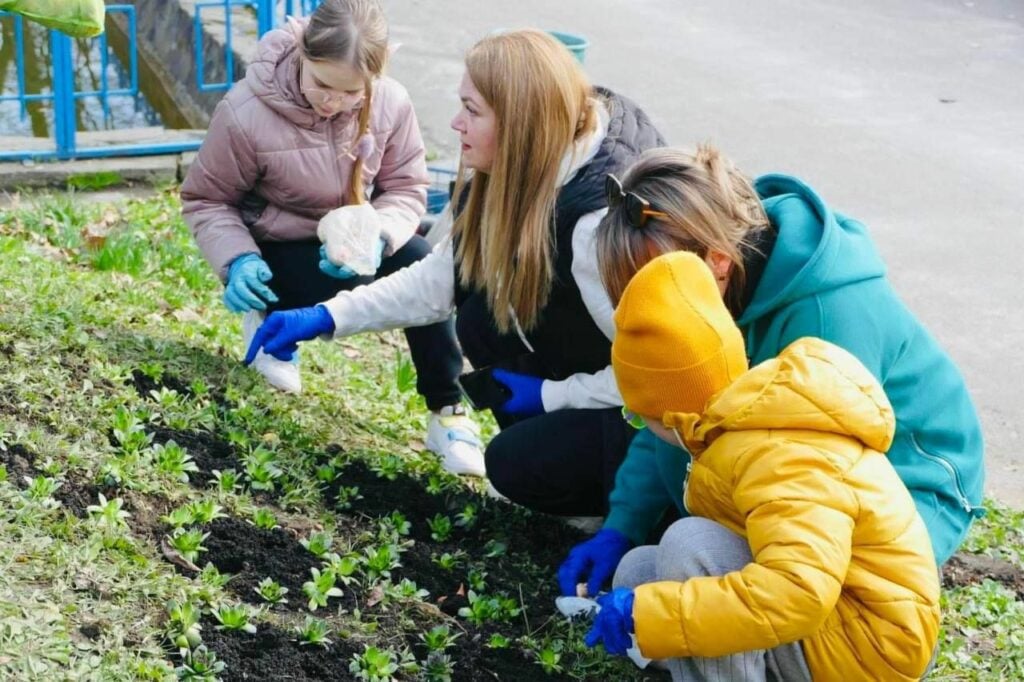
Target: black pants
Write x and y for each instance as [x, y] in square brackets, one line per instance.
[298, 282]
[560, 463]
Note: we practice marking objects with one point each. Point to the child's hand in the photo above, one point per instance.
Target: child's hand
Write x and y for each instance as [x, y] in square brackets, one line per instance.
[613, 625]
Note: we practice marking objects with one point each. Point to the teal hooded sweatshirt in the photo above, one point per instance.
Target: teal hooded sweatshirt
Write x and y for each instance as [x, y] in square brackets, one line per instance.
[824, 278]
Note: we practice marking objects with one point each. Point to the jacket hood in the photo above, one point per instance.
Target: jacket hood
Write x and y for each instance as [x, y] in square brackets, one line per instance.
[817, 249]
[273, 76]
[812, 385]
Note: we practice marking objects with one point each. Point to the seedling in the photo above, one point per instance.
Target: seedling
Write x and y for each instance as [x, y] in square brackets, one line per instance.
[380, 561]
[201, 665]
[374, 665]
[395, 523]
[498, 641]
[494, 548]
[128, 431]
[234, 618]
[439, 638]
[108, 514]
[205, 511]
[226, 481]
[182, 516]
[320, 588]
[482, 609]
[449, 561]
[405, 374]
[438, 667]
[388, 466]
[183, 625]
[314, 632]
[188, 543]
[265, 519]
[440, 527]
[407, 589]
[319, 544]
[262, 470]
[477, 579]
[549, 658]
[343, 567]
[346, 496]
[172, 460]
[41, 489]
[467, 517]
[272, 591]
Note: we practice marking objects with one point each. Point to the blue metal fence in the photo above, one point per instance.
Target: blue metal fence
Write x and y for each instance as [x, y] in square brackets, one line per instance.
[63, 94]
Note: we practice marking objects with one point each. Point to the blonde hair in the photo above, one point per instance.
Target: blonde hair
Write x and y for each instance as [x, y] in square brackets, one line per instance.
[710, 206]
[542, 102]
[356, 33]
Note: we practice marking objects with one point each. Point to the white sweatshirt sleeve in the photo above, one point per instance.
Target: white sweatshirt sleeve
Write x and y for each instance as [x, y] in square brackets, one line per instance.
[420, 294]
[597, 390]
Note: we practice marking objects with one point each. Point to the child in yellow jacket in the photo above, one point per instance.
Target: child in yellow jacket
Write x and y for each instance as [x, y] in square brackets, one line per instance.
[803, 557]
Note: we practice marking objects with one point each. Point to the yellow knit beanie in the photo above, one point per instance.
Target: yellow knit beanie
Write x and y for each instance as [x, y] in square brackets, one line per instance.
[676, 344]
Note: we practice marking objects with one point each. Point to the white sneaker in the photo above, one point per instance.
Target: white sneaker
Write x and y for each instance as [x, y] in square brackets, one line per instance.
[456, 438]
[284, 376]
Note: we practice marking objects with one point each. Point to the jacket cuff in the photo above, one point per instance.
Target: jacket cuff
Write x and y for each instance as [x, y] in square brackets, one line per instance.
[660, 631]
[553, 395]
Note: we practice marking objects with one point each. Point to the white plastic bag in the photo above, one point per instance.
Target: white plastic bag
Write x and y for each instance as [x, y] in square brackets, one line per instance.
[351, 234]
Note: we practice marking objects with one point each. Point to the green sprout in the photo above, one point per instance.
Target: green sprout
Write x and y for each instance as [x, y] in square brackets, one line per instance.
[440, 527]
[265, 519]
[234, 618]
[314, 632]
[108, 514]
[271, 591]
[319, 544]
[188, 543]
[201, 665]
[320, 588]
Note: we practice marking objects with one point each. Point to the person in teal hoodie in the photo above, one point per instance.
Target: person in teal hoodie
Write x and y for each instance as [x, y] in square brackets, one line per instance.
[788, 266]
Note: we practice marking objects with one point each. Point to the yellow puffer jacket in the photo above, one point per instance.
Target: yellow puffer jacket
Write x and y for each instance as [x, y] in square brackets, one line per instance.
[790, 457]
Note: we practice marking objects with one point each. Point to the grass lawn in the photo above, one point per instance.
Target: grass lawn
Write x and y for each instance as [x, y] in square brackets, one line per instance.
[167, 516]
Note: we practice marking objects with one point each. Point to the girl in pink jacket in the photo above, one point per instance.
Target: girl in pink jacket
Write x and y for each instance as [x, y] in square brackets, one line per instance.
[314, 126]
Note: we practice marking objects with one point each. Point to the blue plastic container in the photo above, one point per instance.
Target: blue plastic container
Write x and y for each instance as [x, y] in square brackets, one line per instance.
[576, 44]
[440, 188]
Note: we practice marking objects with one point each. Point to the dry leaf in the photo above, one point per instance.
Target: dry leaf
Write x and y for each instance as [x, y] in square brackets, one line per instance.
[417, 445]
[95, 234]
[172, 555]
[376, 596]
[351, 353]
[186, 315]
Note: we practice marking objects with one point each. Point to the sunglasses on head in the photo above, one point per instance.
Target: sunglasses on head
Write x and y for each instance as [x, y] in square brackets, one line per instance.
[638, 209]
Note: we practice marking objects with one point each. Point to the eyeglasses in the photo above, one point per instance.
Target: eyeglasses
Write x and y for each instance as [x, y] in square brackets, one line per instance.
[638, 209]
[324, 97]
[634, 420]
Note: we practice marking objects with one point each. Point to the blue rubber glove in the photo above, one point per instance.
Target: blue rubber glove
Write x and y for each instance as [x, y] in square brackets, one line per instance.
[526, 399]
[594, 561]
[344, 271]
[613, 624]
[246, 289]
[280, 333]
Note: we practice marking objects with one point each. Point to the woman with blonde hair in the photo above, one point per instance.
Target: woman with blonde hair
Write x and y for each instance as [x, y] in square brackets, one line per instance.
[295, 146]
[787, 266]
[520, 271]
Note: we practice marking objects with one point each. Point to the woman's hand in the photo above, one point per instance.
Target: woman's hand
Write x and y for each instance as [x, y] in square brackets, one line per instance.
[281, 332]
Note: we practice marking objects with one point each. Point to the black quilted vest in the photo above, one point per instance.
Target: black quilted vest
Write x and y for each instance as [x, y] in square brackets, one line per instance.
[566, 339]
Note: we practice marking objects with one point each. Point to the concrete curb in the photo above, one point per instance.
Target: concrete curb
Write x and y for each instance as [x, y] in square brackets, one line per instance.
[137, 170]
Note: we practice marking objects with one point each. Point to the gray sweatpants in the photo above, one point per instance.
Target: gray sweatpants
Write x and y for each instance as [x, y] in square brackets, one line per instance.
[694, 547]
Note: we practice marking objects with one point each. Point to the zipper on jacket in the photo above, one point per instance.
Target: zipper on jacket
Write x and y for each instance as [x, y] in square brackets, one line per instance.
[686, 484]
[951, 470]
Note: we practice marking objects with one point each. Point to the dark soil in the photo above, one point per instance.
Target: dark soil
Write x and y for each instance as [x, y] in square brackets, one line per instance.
[207, 451]
[144, 384]
[272, 654]
[251, 554]
[968, 569]
[19, 462]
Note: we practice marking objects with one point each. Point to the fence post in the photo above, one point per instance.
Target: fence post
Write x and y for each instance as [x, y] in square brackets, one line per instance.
[63, 77]
[264, 16]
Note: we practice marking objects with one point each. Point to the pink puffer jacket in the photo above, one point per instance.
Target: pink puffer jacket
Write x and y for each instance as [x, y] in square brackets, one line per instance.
[270, 167]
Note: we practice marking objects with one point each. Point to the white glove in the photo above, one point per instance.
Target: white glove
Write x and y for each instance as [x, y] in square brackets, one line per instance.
[351, 237]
